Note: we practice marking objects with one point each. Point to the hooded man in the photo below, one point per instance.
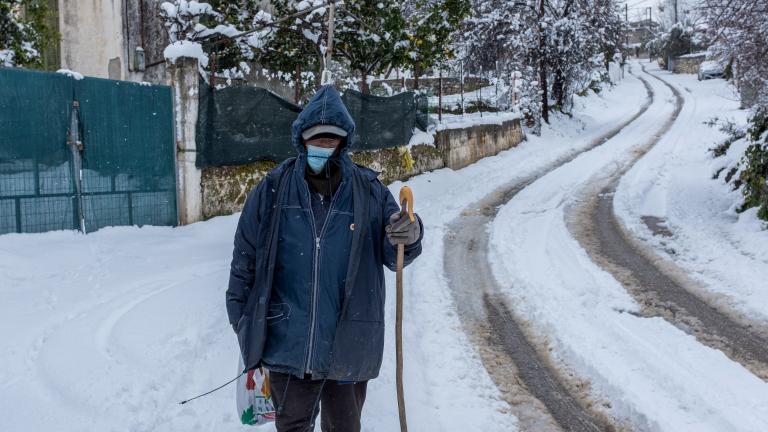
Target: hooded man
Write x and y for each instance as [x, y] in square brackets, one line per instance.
[306, 288]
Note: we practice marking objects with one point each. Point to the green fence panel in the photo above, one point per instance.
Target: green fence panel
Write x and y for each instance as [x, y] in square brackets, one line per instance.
[382, 122]
[126, 168]
[128, 155]
[36, 182]
[243, 124]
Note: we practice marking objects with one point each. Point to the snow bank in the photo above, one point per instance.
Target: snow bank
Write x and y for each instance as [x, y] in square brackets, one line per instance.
[725, 251]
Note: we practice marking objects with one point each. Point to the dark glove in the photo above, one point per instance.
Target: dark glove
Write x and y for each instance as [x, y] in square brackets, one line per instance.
[401, 230]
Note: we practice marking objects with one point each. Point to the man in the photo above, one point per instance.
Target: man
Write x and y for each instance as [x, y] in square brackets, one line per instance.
[306, 288]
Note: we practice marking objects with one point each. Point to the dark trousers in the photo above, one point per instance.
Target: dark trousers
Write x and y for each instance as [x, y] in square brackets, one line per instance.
[297, 402]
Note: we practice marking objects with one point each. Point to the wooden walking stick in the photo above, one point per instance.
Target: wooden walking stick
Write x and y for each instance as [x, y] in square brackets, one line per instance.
[406, 206]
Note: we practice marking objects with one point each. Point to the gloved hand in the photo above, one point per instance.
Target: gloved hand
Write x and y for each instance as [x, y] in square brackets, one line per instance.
[401, 230]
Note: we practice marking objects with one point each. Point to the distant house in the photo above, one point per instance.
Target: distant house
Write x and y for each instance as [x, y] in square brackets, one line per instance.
[638, 34]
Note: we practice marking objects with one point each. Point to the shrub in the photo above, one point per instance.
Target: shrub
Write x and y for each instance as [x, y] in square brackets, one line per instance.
[755, 161]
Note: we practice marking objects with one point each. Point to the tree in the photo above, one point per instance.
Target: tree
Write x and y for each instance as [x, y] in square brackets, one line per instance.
[370, 37]
[739, 29]
[212, 33]
[24, 32]
[300, 43]
[561, 45]
[430, 29]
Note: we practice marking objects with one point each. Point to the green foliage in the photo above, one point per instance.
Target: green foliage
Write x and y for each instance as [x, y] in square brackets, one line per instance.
[239, 13]
[733, 133]
[368, 36]
[430, 30]
[753, 176]
[677, 41]
[290, 48]
[25, 31]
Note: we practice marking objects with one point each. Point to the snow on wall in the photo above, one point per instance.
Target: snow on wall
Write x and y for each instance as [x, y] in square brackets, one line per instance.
[91, 36]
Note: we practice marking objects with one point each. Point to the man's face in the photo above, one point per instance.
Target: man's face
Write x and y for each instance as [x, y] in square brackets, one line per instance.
[325, 142]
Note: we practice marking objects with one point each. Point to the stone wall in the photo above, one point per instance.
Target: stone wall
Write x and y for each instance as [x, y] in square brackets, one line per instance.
[224, 189]
[461, 147]
[687, 64]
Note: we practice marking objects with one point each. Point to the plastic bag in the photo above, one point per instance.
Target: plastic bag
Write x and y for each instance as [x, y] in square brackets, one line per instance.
[254, 400]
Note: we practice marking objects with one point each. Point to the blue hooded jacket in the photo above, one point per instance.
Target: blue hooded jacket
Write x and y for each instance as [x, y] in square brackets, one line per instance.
[305, 304]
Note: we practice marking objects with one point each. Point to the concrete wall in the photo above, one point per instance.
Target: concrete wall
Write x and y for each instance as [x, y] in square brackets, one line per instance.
[100, 37]
[687, 65]
[461, 147]
[224, 189]
[92, 37]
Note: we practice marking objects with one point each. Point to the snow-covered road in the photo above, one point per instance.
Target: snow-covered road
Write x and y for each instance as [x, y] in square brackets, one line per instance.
[725, 252]
[109, 331]
[653, 374]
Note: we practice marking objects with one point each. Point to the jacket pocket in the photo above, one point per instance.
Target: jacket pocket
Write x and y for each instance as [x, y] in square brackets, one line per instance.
[278, 312]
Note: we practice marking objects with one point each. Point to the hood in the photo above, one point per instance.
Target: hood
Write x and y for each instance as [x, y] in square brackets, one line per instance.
[325, 107]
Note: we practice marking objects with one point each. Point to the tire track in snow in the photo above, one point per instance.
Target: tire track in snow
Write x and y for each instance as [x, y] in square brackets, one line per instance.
[541, 397]
[662, 288]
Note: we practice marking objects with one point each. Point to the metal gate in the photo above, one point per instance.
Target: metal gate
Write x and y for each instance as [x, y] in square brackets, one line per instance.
[84, 154]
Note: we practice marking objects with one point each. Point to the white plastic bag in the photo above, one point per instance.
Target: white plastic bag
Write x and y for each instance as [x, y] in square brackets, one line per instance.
[254, 400]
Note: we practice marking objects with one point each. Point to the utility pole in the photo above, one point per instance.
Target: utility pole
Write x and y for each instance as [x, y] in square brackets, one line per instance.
[675, 2]
[326, 77]
[626, 12]
[461, 81]
[440, 96]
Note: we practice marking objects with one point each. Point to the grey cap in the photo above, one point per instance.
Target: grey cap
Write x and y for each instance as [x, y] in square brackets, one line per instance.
[323, 128]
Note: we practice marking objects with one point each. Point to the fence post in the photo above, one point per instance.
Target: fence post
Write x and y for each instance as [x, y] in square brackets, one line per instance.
[461, 83]
[440, 96]
[186, 92]
[75, 147]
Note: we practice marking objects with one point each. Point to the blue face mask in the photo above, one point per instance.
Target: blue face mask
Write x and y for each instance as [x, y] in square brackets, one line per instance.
[317, 157]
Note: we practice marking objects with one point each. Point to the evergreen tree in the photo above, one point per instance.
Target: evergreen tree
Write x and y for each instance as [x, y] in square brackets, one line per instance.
[431, 26]
[370, 35]
[219, 34]
[24, 32]
[298, 45]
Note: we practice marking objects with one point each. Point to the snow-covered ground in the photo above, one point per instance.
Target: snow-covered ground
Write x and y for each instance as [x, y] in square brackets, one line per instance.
[725, 251]
[654, 374]
[109, 331]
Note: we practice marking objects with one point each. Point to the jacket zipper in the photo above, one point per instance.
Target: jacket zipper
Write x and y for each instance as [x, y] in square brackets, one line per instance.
[315, 270]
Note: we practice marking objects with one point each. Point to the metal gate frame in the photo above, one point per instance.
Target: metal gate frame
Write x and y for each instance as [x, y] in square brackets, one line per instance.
[116, 164]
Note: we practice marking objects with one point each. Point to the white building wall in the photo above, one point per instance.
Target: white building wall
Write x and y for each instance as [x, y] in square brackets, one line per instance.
[92, 37]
